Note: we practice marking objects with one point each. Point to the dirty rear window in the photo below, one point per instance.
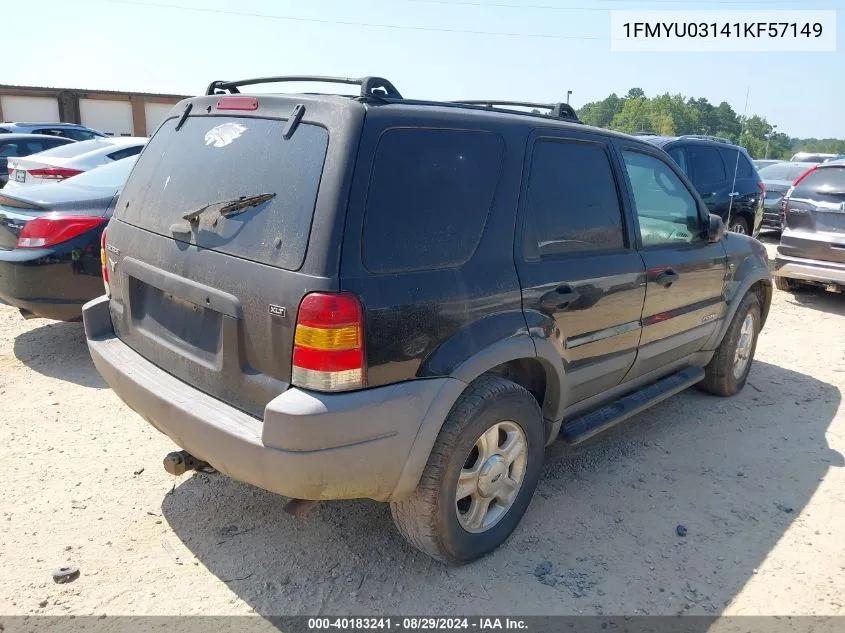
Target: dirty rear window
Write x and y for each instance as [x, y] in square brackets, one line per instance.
[219, 159]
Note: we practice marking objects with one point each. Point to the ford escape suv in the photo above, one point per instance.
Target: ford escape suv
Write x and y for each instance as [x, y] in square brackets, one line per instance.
[338, 297]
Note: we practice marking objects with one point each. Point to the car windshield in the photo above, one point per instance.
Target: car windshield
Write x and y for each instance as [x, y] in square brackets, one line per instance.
[75, 149]
[111, 176]
[784, 171]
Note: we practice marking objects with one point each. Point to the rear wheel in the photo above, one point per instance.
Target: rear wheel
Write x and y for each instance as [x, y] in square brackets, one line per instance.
[727, 371]
[480, 476]
[739, 225]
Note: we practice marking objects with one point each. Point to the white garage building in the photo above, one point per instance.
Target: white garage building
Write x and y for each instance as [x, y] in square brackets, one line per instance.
[115, 113]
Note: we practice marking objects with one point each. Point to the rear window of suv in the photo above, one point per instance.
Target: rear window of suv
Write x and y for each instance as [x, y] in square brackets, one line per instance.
[221, 159]
[826, 180]
[430, 193]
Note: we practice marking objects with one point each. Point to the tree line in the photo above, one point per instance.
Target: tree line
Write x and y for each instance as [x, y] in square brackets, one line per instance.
[674, 115]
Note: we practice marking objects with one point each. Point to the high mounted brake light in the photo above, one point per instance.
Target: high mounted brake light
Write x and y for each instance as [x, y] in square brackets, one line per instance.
[804, 175]
[237, 103]
[328, 352]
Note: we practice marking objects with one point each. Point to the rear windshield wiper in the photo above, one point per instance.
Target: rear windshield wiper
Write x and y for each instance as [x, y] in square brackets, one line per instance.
[229, 207]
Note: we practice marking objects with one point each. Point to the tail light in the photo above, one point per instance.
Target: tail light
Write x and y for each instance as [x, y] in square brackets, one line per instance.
[48, 231]
[54, 173]
[762, 188]
[804, 175]
[104, 262]
[328, 351]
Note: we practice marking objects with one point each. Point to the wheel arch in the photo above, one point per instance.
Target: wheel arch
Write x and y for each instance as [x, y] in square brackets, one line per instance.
[538, 368]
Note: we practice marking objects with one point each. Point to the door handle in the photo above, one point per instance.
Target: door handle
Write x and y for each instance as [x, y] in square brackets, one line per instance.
[667, 278]
[560, 298]
[733, 194]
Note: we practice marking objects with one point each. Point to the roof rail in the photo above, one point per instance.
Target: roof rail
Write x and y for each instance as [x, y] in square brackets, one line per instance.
[705, 137]
[644, 134]
[370, 86]
[556, 110]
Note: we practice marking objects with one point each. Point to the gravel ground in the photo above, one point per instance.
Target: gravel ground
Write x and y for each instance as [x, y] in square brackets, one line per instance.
[756, 480]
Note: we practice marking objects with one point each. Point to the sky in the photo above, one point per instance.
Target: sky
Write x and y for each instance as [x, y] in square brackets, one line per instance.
[527, 50]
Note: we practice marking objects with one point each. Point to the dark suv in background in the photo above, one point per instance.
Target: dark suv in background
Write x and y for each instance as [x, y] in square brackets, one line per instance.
[812, 245]
[724, 176]
[337, 297]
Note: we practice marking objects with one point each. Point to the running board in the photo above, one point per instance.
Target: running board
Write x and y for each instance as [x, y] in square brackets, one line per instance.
[586, 426]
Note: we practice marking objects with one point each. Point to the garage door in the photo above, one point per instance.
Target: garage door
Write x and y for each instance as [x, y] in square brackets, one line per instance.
[23, 109]
[111, 117]
[155, 113]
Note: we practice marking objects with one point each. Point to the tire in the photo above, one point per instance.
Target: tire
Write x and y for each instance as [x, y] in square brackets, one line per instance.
[430, 519]
[739, 225]
[788, 285]
[719, 375]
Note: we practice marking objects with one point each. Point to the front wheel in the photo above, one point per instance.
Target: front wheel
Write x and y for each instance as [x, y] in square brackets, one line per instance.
[727, 371]
[480, 476]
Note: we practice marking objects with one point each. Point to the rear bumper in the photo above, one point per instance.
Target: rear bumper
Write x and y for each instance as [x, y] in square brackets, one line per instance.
[365, 444]
[46, 284]
[809, 270]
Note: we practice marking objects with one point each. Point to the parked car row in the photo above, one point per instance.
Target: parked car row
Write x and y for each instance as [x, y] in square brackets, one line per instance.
[52, 215]
[15, 145]
[67, 161]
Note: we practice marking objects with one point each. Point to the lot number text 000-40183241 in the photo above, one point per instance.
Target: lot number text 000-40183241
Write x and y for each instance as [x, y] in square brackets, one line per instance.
[723, 31]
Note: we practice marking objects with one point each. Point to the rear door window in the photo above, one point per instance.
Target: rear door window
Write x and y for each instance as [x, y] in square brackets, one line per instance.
[221, 159]
[572, 204]
[430, 193]
[735, 160]
[706, 164]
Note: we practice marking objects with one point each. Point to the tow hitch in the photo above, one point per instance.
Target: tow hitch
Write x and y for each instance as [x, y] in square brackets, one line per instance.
[180, 462]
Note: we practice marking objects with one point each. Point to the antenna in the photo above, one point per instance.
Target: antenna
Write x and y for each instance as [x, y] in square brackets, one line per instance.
[736, 166]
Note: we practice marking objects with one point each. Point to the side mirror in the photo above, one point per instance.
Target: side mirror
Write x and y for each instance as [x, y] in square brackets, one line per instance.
[715, 228]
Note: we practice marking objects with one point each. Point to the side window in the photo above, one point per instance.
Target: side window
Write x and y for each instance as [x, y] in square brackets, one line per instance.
[9, 150]
[80, 135]
[572, 203]
[737, 160]
[49, 131]
[430, 193]
[125, 153]
[667, 211]
[679, 156]
[707, 166]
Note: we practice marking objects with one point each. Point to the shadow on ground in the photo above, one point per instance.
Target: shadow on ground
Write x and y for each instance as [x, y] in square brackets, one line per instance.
[59, 350]
[819, 299]
[735, 472]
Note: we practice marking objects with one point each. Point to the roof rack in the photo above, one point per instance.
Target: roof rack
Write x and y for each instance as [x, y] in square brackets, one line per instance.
[370, 86]
[562, 111]
[644, 134]
[705, 137]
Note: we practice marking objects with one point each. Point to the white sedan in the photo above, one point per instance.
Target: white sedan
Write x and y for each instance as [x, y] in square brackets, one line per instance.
[54, 165]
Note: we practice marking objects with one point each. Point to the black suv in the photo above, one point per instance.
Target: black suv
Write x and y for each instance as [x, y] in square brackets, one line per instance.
[337, 297]
[724, 176]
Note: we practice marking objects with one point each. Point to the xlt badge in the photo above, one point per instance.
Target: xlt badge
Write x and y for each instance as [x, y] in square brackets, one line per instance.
[277, 311]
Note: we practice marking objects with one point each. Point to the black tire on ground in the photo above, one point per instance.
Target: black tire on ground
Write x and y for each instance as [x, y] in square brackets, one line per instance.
[739, 225]
[719, 376]
[788, 285]
[428, 519]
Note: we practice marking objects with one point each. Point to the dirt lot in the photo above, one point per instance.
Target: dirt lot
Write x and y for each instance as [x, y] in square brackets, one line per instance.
[757, 480]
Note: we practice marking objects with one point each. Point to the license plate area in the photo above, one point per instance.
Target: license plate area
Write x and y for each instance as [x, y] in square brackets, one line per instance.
[180, 324]
[20, 175]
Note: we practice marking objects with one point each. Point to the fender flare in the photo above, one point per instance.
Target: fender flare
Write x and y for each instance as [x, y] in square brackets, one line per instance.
[517, 347]
[755, 276]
